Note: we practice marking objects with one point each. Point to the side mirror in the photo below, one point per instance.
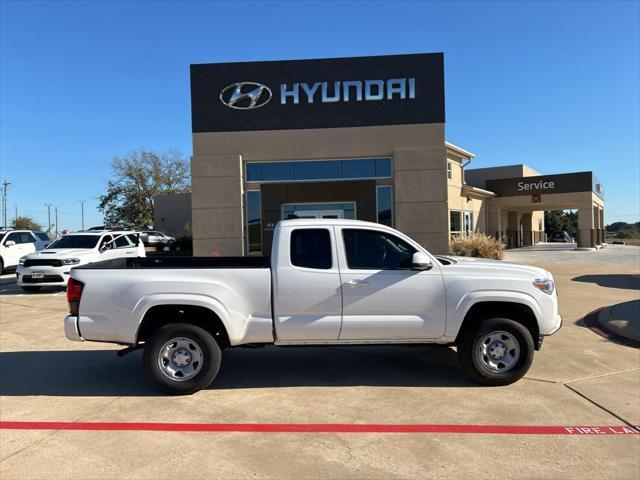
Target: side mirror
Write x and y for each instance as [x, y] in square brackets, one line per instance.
[9, 243]
[421, 261]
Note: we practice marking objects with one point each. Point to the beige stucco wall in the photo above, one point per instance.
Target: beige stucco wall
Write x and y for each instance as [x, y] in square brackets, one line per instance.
[172, 214]
[420, 187]
[465, 201]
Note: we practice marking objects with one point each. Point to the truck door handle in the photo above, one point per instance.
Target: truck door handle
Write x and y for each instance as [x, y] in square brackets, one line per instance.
[356, 283]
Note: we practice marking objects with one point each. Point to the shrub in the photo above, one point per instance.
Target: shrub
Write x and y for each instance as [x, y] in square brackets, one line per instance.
[475, 245]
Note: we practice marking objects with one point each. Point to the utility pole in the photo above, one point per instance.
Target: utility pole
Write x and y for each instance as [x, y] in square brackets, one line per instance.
[15, 221]
[5, 186]
[48, 205]
[82, 207]
[56, 209]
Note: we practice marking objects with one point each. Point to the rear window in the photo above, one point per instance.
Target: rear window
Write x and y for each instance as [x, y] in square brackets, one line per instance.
[42, 236]
[311, 248]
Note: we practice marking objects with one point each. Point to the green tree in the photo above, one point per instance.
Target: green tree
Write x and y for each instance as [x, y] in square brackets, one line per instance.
[137, 179]
[559, 220]
[628, 231]
[26, 223]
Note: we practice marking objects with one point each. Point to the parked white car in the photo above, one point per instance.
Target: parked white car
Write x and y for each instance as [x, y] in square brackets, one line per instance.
[50, 266]
[13, 245]
[327, 282]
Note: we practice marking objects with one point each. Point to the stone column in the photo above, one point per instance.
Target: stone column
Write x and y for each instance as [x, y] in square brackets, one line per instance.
[585, 225]
[217, 213]
[527, 229]
[421, 207]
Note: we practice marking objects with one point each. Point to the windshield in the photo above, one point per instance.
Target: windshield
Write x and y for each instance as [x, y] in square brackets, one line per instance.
[75, 241]
[42, 236]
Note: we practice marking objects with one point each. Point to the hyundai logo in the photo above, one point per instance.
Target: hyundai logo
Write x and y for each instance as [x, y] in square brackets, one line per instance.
[245, 95]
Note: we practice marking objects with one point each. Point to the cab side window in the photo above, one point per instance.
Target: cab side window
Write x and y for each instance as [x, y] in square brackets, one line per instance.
[26, 237]
[12, 237]
[311, 248]
[373, 250]
[122, 242]
[105, 242]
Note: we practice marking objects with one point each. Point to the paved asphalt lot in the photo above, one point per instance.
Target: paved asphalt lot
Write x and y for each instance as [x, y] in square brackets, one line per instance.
[579, 378]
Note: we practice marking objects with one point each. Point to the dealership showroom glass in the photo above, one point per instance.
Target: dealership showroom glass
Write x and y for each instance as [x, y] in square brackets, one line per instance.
[360, 138]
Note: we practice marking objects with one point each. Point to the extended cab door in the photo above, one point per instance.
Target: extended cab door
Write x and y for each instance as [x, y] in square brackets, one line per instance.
[307, 302]
[383, 298]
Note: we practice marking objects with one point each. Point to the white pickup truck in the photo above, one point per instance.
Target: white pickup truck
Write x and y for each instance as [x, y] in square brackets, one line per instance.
[327, 282]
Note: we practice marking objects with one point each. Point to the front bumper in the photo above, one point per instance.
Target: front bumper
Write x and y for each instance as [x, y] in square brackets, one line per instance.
[71, 329]
[51, 276]
[557, 326]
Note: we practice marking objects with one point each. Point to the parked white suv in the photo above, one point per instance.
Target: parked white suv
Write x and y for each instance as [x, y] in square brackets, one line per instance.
[50, 267]
[153, 238]
[13, 245]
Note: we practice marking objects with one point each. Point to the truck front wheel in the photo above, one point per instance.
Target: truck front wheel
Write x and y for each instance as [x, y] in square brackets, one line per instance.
[181, 359]
[498, 352]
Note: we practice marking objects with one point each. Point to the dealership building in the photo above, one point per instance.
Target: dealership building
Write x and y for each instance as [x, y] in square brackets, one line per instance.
[360, 138]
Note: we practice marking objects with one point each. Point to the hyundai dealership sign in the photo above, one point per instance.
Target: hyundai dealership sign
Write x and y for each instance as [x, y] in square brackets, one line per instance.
[327, 93]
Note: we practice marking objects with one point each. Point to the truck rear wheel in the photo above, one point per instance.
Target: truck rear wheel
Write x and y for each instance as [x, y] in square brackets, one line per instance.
[498, 352]
[181, 359]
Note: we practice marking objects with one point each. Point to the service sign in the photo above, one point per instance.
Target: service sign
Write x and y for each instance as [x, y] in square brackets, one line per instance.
[544, 184]
[326, 93]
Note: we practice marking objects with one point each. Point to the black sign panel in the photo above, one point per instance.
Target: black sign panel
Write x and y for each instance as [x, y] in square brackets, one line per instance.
[327, 93]
[561, 183]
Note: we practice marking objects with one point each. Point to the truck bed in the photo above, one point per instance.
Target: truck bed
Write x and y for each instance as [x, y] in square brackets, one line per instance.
[178, 263]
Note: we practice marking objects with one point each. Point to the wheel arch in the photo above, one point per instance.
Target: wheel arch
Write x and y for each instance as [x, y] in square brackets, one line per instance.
[517, 311]
[159, 315]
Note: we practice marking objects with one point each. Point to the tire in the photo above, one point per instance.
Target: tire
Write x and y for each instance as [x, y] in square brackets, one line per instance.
[181, 359]
[30, 289]
[481, 349]
[1, 267]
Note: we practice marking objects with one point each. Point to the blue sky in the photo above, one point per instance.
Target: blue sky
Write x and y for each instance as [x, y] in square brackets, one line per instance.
[551, 84]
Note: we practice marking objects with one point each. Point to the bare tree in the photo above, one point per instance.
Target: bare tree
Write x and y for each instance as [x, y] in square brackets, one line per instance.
[137, 179]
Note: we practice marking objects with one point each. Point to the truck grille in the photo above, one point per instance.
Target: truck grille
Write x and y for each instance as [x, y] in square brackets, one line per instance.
[45, 279]
[42, 263]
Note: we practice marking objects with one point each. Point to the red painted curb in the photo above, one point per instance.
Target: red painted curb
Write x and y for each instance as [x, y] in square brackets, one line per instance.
[324, 428]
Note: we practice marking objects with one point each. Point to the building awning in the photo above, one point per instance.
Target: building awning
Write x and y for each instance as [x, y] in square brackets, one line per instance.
[470, 189]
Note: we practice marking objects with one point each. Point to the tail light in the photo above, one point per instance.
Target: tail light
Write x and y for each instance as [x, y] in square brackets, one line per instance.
[74, 292]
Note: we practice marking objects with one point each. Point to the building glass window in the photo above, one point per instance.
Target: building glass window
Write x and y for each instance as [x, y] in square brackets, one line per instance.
[253, 213]
[449, 170]
[311, 248]
[307, 171]
[384, 205]
[468, 223]
[455, 222]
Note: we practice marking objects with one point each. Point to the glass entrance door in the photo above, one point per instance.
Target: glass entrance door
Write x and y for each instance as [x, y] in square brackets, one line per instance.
[319, 214]
[319, 210]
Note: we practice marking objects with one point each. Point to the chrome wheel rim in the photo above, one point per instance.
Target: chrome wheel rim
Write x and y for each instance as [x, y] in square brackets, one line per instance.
[180, 359]
[498, 352]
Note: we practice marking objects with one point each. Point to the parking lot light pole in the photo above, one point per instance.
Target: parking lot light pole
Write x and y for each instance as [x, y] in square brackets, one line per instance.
[48, 205]
[5, 186]
[56, 210]
[82, 209]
